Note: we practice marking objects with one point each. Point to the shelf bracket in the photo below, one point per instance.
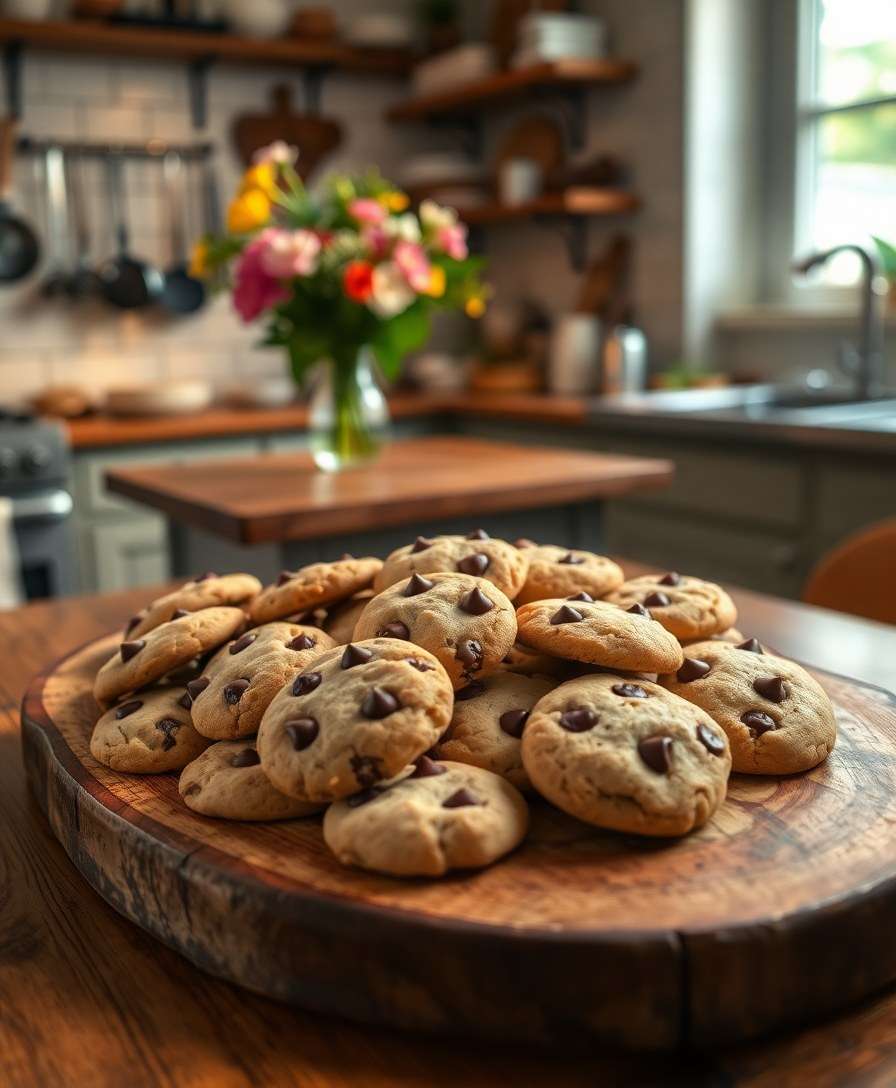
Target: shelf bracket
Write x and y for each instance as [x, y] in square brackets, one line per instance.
[312, 87]
[12, 74]
[197, 85]
[574, 104]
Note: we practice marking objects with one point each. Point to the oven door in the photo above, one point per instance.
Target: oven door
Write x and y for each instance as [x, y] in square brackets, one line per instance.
[43, 530]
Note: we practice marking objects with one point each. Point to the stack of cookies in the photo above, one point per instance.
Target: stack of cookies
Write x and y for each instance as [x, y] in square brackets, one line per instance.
[422, 699]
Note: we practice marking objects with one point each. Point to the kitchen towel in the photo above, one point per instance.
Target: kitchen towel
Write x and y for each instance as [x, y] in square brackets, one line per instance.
[11, 593]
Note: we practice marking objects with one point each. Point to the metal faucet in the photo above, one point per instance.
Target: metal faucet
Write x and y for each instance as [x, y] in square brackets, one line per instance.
[865, 361]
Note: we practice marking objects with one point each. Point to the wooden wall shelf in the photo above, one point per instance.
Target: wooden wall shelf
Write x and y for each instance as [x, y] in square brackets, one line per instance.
[577, 202]
[560, 75]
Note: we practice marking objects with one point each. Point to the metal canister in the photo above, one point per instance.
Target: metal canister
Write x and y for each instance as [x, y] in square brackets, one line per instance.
[624, 360]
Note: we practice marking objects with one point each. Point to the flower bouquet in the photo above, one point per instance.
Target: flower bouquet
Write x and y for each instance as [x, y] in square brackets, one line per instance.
[340, 277]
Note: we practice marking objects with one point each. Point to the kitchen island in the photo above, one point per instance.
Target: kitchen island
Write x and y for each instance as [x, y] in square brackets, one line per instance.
[90, 999]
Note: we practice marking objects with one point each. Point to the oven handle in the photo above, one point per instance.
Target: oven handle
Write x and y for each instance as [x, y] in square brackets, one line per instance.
[50, 506]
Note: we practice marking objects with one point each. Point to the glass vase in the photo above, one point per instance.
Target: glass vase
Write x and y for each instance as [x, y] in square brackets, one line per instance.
[349, 417]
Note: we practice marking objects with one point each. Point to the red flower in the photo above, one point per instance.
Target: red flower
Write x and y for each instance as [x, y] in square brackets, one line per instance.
[358, 280]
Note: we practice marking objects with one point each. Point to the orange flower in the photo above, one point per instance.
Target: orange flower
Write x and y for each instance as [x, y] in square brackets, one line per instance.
[358, 280]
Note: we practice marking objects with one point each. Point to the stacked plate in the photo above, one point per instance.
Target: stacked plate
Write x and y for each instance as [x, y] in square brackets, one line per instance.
[545, 36]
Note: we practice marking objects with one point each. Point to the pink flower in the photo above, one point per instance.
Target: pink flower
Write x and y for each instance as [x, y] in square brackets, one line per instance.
[255, 290]
[367, 210]
[414, 264]
[453, 241]
[376, 240]
[289, 253]
[279, 153]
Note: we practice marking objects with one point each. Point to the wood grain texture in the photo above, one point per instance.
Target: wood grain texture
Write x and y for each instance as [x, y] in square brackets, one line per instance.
[580, 200]
[788, 895]
[280, 497]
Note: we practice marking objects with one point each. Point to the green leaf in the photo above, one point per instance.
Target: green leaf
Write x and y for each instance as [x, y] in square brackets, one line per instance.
[887, 257]
[399, 336]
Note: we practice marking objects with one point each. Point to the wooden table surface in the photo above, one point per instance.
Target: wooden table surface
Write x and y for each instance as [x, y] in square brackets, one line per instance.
[88, 999]
[276, 497]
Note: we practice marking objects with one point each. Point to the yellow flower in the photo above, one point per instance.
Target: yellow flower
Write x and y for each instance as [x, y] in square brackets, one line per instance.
[436, 286]
[261, 176]
[249, 211]
[394, 201]
[199, 266]
[475, 306]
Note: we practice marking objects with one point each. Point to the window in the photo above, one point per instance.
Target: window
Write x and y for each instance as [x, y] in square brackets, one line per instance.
[845, 162]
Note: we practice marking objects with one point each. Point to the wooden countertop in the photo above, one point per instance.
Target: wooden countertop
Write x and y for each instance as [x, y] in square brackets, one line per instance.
[102, 431]
[89, 999]
[275, 497]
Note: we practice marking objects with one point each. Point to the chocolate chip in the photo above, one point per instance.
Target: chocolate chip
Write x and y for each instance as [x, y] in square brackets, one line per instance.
[420, 666]
[302, 642]
[169, 727]
[460, 799]
[470, 653]
[379, 703]
[582, 596]
[474, 688]
[366, 769]
[179, 613]
[571, 560]
[355, 655]
[417, 584]
[656, 752]
[473, 564]
[363, 797]
[424, 767]
[475, 603]
[630, 691]
[395, 630]
[185, 701]
[711, 741]
[234, 691]
[524, 542]
[578, 720]
[656, 600]
[128, 708]
[478, 534]
[512, 722]
[751, 645]
[566, 614]
[758, 722]
[197, 687]
[302, 732]
[243, 642]
[205, 576]
[248, 757]
[285, 576]
[306, 683]
[692, 669]
[638, 610]
[772, 688]
[421, 544]
[132, 623]
[670, 579]
[131, 649]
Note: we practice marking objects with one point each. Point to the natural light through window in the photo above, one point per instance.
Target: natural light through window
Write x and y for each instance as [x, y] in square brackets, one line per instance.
[848, 138]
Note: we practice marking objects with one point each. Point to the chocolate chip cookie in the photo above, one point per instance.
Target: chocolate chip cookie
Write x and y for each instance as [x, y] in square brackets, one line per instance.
[149, 733]
[443, 816]
[561, 572]
[528, 662]
[316, 584]
[600, 633]
[778, 718]
[466, 622]
[227, 781]
[626, 756]
[488, 723]
[239, 682]
[476, 554]
[341, 618]
[359, 714]
[688, 607]
[206, 591]
[139, 662]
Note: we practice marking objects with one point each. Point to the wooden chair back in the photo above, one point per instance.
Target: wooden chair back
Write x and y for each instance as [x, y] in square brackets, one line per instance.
[859, 575]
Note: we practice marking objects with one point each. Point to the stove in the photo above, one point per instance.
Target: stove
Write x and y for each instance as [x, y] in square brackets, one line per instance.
[34, 473]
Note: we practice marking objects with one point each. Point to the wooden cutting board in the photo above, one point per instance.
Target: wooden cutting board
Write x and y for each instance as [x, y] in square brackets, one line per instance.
[315, 137]
[779, 911]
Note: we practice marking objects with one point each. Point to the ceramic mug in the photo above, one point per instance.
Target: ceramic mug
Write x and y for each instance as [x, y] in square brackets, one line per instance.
[575, 354]
[519, 181]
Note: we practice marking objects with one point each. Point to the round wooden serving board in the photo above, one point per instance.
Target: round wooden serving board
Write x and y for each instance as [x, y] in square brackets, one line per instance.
[781, 910]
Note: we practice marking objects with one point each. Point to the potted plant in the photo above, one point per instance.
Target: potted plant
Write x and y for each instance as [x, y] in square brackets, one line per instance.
[341, 278]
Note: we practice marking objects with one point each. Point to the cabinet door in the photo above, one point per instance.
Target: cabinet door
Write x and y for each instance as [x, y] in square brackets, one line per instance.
[120, 555]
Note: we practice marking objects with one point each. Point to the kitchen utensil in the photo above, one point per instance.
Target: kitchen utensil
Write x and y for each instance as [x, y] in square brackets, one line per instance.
[83, 282]
[538, 139]
[55, 282]
[605, 283]
[172, 398]
[624, 361]
[575, 354]
[519, 181]
[181, 292]
[19, 249]
[128, 282]
[315, 137]
[258, 19]
[210, 201]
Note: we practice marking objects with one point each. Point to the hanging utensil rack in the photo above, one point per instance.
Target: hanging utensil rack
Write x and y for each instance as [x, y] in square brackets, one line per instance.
[150, 151]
